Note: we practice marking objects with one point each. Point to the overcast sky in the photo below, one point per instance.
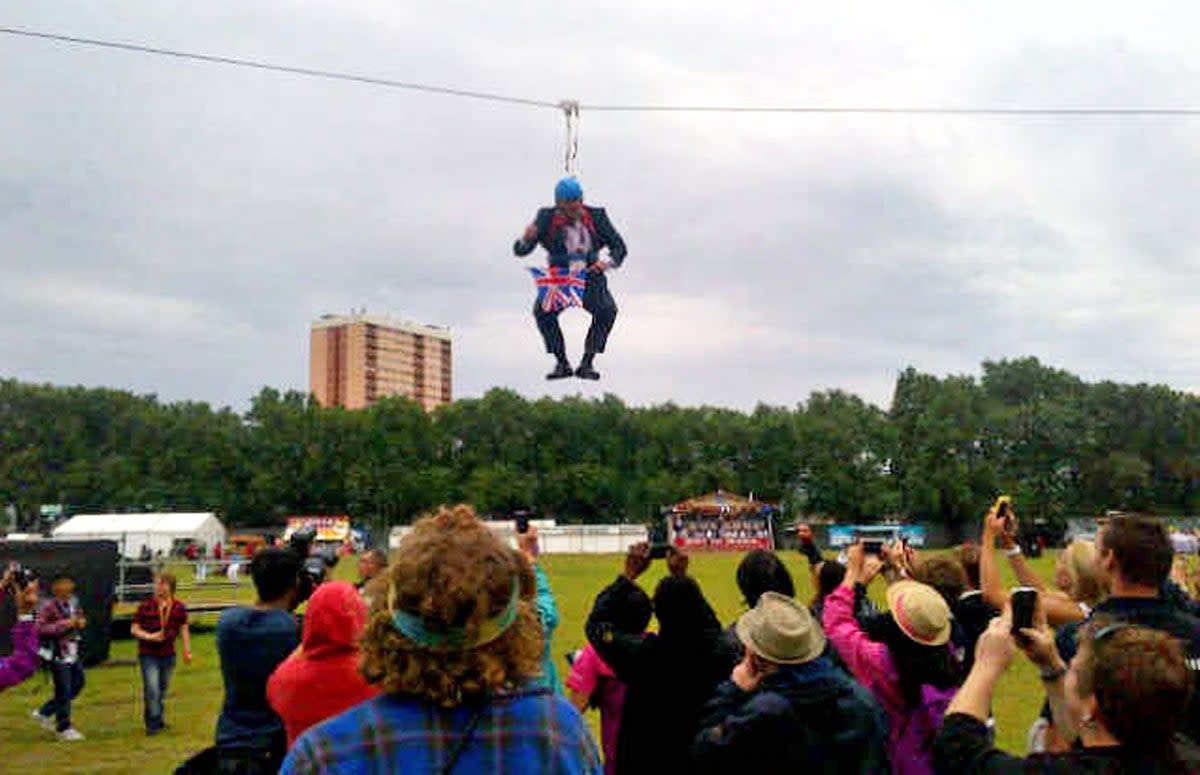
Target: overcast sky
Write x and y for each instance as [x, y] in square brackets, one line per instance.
[172, 227]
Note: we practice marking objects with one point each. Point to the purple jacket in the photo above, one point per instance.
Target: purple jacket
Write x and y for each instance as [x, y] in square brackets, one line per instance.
[24, 659]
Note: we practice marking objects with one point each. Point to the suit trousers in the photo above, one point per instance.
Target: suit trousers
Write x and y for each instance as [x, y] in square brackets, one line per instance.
[599, 302]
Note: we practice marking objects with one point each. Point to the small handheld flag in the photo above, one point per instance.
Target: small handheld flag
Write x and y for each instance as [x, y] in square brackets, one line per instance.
[559, 287]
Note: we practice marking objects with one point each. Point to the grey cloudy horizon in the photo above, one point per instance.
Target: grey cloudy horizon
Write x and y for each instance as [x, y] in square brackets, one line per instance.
[172, 228]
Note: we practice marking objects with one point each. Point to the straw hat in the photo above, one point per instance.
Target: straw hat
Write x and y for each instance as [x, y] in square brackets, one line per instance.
[920, 612]
[781, 631]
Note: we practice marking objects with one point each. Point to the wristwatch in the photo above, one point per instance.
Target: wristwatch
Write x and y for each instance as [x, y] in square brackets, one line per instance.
[1053, 674]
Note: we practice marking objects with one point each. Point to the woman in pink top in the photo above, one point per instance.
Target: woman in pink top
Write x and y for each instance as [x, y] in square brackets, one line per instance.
[907, 665]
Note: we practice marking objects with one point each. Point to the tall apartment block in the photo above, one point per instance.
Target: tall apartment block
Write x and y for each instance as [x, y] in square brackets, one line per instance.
[357, 359]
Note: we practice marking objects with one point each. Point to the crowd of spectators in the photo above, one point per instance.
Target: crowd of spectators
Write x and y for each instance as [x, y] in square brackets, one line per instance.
[719, 531]
[441, 661]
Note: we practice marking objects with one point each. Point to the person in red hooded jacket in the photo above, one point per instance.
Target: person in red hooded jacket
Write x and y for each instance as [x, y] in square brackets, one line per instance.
[321, 679]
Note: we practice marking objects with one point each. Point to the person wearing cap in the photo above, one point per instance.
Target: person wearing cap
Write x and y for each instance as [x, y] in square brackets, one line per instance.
[572, 232]
[454, 642]
[906, 662]
[786, 708]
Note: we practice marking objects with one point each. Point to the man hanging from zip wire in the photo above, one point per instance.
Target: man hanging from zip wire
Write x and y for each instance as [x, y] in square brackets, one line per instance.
[574, 233]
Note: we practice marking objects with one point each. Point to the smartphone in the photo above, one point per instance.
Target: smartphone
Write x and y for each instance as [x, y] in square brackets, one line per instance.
[1024, 601]
[873, 546]
[659, 550]
[522, 521]
[1003, 509]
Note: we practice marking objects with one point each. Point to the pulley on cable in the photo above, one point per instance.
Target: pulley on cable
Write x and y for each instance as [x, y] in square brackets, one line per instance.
[570, 109]
[573, 234]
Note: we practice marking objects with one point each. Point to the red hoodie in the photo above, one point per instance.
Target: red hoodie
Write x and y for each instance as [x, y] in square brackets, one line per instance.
[321, 679]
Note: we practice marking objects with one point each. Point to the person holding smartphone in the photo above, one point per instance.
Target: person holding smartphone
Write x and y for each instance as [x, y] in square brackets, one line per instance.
[1126, 691]
[669, 675]
[905, 662]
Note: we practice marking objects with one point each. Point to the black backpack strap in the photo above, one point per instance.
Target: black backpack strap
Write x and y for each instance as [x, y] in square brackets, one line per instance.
[461, 746]
[464, 741]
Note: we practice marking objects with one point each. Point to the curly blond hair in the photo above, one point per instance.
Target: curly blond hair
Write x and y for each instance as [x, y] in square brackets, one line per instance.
[451, 571]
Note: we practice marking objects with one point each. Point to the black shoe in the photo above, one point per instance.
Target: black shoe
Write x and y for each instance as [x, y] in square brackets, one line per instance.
[561, 371]
[585, 371]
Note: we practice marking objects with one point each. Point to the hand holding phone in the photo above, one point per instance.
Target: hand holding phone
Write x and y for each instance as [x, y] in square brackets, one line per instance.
[1024, 603]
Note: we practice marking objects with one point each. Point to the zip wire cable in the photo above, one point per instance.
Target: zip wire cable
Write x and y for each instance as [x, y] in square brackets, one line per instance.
[305, 71]
[1078, 112]
[896, 111]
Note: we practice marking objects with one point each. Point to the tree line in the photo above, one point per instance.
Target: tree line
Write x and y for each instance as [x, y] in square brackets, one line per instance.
[945, 448]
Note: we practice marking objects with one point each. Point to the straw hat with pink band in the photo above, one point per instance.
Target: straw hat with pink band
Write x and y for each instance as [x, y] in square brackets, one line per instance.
[920, 612]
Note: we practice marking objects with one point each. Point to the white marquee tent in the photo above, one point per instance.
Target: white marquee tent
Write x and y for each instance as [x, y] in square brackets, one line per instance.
[133, 531]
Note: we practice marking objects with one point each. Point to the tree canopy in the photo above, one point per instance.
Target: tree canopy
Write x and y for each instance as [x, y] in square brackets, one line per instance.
[943, 450]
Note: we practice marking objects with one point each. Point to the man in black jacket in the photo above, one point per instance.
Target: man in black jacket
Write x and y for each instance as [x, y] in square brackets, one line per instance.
[668, 675]
[572, 232]
[786, 708]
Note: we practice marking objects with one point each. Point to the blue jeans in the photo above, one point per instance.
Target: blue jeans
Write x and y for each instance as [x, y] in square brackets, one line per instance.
[156, 676]
[68, 683]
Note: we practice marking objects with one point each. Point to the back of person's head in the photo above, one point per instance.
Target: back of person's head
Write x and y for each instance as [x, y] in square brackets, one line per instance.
[1140, 548]
[968, 555]
[829, 578]
[679, 606]
[275, 572]
[377, 556]
[633, 610]
[916, 632]
[944, 573]
[1141, 682]
[454, 618]
[762, 571]
[334, 619]
[1079, 562]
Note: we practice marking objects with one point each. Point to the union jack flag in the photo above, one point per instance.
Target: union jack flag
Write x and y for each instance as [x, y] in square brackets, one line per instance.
[559, 287]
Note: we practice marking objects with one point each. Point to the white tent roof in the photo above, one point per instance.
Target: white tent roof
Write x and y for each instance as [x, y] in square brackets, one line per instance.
[96, 524]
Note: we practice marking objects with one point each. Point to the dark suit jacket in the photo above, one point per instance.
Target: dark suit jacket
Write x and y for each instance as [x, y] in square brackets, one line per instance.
[606, 236]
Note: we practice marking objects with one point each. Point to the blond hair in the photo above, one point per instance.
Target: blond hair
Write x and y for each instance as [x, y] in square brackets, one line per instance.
[1080, 561]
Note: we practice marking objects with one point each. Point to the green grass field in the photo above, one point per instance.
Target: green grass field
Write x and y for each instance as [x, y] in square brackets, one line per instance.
[109, 711]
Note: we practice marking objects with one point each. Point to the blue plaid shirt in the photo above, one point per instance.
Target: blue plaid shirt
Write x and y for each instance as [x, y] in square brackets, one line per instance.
[533, 731]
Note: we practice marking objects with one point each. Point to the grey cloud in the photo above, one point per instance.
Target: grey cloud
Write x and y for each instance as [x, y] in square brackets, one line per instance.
[173, 227]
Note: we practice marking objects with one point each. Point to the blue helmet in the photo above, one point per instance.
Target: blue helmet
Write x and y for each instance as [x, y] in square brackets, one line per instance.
[568, 190]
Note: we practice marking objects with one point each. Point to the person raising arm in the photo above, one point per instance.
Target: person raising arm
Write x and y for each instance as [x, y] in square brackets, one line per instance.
[1078, 588]
[23, 661]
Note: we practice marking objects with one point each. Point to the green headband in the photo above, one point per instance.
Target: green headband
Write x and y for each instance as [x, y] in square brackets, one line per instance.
[455, 638]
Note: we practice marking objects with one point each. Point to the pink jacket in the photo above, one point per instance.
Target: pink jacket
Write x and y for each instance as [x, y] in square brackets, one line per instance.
[869, 661]
[913, 730]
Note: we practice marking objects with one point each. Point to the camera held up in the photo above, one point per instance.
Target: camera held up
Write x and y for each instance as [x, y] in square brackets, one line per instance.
[315, 566]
